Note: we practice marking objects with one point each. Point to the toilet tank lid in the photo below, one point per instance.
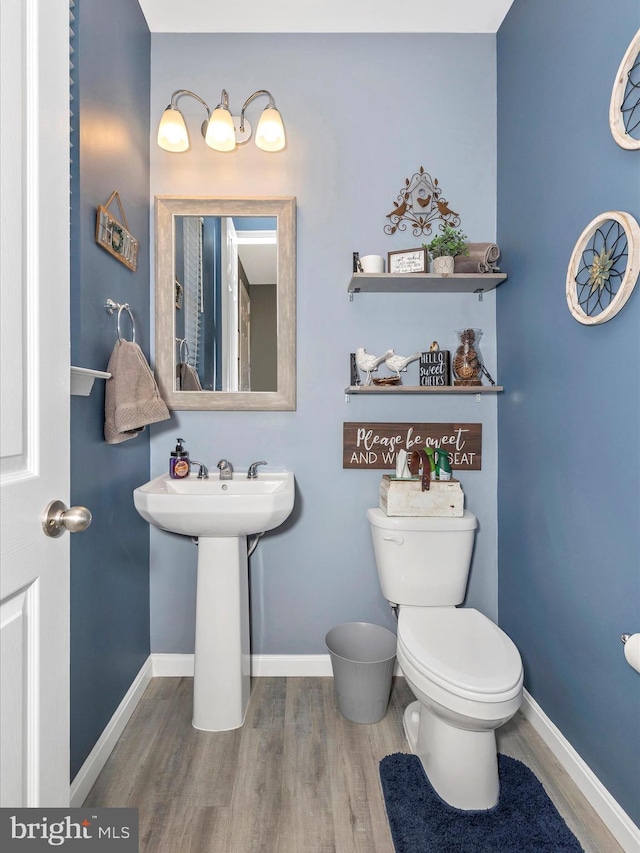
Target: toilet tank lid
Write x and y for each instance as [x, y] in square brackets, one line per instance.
[378, 518]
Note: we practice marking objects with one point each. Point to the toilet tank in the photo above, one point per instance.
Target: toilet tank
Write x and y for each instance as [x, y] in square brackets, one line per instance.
[423, 561]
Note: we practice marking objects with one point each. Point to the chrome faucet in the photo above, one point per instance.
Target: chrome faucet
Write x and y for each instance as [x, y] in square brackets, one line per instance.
[252, 473]
[226, 469]
[203, 471]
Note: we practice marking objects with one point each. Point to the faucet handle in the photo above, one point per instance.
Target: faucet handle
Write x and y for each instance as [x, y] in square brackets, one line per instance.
[252, 473]
[203, 471]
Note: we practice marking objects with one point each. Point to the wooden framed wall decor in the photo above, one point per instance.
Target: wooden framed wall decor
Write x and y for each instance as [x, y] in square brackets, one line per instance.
[604, 267]
[114, 236]
[407, 260]
[624, 107]
[376, 445]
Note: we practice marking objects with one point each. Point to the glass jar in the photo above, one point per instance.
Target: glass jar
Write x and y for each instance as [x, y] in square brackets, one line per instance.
[467, 362]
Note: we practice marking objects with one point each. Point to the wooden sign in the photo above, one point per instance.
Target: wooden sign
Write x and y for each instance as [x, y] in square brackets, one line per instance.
[376, 445]
[114, 236]
[434, 368]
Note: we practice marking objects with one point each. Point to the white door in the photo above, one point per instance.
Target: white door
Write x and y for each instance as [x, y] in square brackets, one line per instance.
[34, 403]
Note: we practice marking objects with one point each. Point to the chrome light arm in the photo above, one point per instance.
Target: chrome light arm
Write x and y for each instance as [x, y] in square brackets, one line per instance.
[180, 92]
[271, 104]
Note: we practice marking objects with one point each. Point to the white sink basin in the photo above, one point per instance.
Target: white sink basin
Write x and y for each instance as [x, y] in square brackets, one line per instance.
[214, 507]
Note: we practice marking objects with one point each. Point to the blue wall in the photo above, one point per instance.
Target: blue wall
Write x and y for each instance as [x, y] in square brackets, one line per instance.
[362, 113]
[569, 422]
[110, 561]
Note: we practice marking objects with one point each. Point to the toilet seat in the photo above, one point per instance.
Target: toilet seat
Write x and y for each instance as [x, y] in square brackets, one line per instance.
[462, 651]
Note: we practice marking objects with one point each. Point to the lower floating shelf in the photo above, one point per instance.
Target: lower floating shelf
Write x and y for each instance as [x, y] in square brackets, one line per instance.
[423, 389]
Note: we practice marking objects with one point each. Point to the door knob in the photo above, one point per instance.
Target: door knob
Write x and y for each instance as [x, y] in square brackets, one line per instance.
[57, 518]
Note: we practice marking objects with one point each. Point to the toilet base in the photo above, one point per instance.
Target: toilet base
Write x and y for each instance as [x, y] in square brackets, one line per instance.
[461, 765]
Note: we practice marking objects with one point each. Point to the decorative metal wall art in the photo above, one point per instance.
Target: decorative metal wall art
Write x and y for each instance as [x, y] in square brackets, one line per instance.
[604, 267]
[419, 204]
[114, 236]
[624, 107]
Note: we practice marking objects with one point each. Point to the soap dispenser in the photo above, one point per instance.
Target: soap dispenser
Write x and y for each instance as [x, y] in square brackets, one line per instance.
[179, 461]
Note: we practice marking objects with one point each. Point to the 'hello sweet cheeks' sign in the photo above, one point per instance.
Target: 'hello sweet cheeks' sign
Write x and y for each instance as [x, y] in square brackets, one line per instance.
[376, 445]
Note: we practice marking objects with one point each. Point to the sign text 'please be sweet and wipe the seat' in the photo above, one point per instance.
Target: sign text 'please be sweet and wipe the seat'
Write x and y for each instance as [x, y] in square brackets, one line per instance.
[376, 445]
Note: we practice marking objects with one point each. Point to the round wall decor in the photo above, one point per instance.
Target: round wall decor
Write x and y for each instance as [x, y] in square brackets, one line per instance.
[624, 107]
[604, 267]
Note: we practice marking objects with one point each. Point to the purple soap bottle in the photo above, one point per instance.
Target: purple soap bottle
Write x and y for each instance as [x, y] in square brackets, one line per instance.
[179, 461]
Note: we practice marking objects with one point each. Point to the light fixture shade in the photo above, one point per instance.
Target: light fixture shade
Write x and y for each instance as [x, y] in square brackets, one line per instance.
[221, 134]
[172, 131]
[270, 131]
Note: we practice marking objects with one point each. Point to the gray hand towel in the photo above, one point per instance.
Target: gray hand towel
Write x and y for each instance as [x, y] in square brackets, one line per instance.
[132, 399]
[482, 258]
[188, 379]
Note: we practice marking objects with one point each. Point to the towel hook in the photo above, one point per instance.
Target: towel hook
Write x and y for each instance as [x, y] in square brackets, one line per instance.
[111, 306]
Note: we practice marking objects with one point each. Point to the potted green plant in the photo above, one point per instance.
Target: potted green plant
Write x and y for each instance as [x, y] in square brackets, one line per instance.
[444, 247]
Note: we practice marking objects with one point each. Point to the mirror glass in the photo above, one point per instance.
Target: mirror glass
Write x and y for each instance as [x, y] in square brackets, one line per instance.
[225, 303]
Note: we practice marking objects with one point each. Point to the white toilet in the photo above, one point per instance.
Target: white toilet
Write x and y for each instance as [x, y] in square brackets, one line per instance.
[463, 669]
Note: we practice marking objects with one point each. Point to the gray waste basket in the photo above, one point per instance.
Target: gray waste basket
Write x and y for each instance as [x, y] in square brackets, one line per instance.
[363, 657]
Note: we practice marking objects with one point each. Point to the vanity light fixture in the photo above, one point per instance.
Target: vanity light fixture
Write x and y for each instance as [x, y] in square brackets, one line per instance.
[221, 130]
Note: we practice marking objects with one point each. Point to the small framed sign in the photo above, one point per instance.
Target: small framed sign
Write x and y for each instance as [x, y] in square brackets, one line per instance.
[407, 260]
[114, 236]
[435, 368]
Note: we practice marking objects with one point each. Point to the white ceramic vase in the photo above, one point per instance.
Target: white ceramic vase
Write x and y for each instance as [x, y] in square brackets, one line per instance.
[443, 265]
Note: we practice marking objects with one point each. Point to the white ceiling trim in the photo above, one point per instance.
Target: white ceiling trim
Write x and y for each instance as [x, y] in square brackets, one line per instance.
[325, 16]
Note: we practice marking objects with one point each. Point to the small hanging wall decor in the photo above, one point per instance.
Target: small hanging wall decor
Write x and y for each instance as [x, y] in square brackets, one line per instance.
[420, 203]
[624, 107]
[114, 236]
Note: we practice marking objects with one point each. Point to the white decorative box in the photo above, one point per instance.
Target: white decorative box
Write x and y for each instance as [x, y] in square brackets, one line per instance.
[444, 498]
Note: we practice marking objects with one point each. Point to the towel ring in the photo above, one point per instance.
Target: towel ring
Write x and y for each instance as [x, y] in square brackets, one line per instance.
[184, 351]
[125, 307]
[111, 306]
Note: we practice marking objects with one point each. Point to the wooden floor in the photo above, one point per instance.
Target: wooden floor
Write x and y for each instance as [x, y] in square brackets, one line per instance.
[296, 778]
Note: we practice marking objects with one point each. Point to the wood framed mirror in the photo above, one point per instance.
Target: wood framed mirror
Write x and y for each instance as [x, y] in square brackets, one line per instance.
[226, 303]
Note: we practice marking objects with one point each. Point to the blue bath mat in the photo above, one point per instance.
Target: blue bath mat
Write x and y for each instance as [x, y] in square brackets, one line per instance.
[524, 820]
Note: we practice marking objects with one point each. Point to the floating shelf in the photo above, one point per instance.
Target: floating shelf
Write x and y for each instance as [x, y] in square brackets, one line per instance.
[423, 389]
[82, 379]
[363, 282]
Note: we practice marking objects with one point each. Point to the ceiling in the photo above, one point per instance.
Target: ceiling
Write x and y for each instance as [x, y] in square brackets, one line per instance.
[325, 16]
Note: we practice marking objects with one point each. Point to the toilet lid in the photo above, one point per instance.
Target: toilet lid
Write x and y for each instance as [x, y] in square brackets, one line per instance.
[460, 647]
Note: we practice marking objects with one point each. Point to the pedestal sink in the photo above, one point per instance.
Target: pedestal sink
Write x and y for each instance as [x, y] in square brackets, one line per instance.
[221, 514]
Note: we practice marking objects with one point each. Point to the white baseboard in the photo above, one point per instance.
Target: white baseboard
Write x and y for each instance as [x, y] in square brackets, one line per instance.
[283, 666]
[172, 666]
[617, 821]
[261, 665]
[98, 756]
[291, 665]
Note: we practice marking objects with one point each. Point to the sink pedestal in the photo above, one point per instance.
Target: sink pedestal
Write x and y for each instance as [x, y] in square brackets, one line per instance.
[222, 672]
[221, 513]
